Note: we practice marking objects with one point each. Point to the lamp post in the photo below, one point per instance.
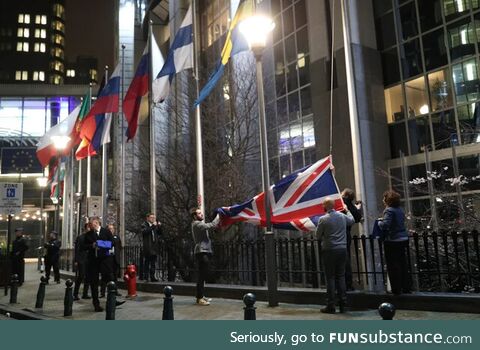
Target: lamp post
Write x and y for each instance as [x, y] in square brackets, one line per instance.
[60, 143]
[256, 30]
[42, 183]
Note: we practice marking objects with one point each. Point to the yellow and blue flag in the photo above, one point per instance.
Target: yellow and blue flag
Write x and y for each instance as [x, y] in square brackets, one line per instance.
[234, 44]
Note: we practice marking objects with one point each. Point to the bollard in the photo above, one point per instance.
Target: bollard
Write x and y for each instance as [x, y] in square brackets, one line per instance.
[68, 301]
[249, 300]
[168, 304]
[111, 301]
[41, 293]
[14, 289]
[387, 311]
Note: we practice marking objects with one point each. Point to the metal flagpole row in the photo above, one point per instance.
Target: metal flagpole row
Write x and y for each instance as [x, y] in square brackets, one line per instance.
[198, 124]
[104, 168]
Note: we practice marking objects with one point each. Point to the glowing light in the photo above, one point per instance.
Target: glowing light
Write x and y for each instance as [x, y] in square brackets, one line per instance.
[424, 109]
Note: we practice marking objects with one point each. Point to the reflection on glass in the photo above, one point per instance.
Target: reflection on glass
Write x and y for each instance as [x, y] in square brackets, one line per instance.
[469, 167]
[274, 170]
[461, 39]
[444, 129]
[385, 27]
[419, 134]
[411, 58]
[440, 86]
[465, 79]
[417, 100]
[397, 181]
[306, 98]
[297, 161]
[284, 140]
[408, 18]
[430, 12]
[469, 123]
[34, 117]
[394, 103]
[435, 51]
[282, 115]
[296, 137]
[303, 65]
[308, 133]
[391, 71]
[293, 106]
[10, 116]
[455, 8]
[300, 14]
[285, 168]
[381, 6]
[302, 41]
[292, 82]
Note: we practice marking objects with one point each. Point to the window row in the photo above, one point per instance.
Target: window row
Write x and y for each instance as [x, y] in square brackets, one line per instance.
[290, 108]
[286, 164]
[290, 20]
[24, 18]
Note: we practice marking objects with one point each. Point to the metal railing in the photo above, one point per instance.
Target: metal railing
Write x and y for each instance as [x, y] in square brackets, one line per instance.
[448, 262]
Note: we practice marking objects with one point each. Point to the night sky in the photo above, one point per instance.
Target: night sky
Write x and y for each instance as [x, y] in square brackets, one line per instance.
[90, 30]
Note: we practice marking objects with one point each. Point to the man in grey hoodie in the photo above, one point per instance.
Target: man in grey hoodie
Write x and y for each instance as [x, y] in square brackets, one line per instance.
[332, 231]
[203, 250]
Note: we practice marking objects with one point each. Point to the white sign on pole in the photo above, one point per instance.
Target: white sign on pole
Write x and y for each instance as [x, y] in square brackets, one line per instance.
[94, 206]
[11, 198]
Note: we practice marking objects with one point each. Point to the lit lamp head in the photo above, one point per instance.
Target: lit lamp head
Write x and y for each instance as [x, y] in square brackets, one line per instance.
[60, 142]
[42, 181]
[256, 30]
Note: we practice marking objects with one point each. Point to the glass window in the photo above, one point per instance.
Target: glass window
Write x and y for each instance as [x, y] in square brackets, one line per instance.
[274, 170]
[310, 155]
[465, 79]
[284, 141]
[300, 14]
[443, 169]
[435, 51]
[440, 86]
[430, 12]
[11, 115]
[18, 75]
[288, 27]
[419, 133]
[398, 139]
[282, 115]
[417, 99]
[385, 27]
[290, 49]
[417, 172]
[277, 31]
[455, 8]
[306, 98]
[302, 41]
[444, 129]
[411, 58]
[469, 167]
[468, 123]
[26, 19]
[270, 115]
[24, 75]
[297, 161]
[293, 106]
[296, 137]
[34, 117]
[396, 180]
[303, 69]
[276, 7]
[408, 18]
[308, 133]
[285, 168]
[381, 6]
[20, 18]
[461, 38]
[394, 104]
[292, 81]
[391, 71]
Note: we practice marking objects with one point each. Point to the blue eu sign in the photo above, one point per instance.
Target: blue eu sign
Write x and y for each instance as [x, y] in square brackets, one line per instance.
[10, 193]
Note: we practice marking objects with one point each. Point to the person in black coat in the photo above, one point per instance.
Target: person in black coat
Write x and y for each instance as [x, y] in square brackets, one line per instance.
[355, 208]
[52, 257]
[151, 233]
[99, 258]
[116, 262]
[19, 247]
[80, 261]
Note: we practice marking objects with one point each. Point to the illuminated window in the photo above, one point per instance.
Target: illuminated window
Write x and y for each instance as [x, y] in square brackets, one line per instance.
[39, 75]
[37, 21]
[57, 25]
[24, 75]
[40, 33]
[18, 75]
[57, 52]
[20, 18]
[23, 32]
[71, 73]
[58, 39]
[39, 47]
[26, 19]
[40, 19]
[93, 74]
[59, 10]
[58, 66]
[22, 46]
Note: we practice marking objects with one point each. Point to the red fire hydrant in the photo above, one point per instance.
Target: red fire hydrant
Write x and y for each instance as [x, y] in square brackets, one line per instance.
[130, 278]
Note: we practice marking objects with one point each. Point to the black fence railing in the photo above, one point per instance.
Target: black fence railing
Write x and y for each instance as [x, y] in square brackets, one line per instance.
[448, 262]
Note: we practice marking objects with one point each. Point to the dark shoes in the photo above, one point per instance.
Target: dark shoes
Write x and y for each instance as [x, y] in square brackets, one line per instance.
[76, 298]
[328, 310]
[98, 308]
[86, 297]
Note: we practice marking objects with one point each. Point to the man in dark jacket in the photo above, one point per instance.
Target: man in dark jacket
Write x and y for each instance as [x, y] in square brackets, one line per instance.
[19, 247]
[355, 208]
[203, 251]
[151, 233]
[98, 243]
[80, 261]
[117, 250]
[52, 257]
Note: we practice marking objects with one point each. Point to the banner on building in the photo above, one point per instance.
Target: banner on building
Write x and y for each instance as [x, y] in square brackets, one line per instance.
[17, 160]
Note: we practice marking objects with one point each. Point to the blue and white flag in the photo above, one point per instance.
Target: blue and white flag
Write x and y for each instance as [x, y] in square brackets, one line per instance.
[179, 58]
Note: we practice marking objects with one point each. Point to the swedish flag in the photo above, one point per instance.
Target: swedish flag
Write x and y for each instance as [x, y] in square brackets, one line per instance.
[234, 44]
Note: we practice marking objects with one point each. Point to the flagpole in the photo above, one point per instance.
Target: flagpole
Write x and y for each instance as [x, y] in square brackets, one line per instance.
[122, 152]
[104, 169]
[89, 159]
[198, 125]
[153, 170]
[72, 203]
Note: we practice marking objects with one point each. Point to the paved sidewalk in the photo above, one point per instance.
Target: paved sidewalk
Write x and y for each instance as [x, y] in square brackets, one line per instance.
[148, 306]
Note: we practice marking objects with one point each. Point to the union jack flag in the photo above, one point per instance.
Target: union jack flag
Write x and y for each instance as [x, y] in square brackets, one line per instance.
[295, 200]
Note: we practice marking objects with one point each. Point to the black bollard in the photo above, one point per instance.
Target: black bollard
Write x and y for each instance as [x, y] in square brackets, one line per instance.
[14, 289]
[41, 293]
[111, 301]
[68, 301]
[249, 300]
[168, 304]
[387, 311]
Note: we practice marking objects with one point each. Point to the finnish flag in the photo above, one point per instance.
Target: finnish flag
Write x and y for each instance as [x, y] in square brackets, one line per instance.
[179, 58]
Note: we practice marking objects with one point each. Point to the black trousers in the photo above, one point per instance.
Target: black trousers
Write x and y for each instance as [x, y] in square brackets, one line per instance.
[203, 265]
[99, 266]
[348, 264]
[334, 263]
[49, 263]
[81, 278]
[149, 266]
[18, 268]
[397, 267]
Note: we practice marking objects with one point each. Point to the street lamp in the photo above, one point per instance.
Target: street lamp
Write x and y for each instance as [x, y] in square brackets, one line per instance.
[256, 30]
[42, 182]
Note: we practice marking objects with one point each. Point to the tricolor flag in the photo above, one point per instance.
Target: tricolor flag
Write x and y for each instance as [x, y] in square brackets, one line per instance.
[295, 200]
[55, 178]
[96, 126]
[180, 57]
[45, 147]
[234, 44]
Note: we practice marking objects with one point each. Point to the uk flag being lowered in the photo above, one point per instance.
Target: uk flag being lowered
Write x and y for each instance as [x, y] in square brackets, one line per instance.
[180, 57]
[295, 200]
